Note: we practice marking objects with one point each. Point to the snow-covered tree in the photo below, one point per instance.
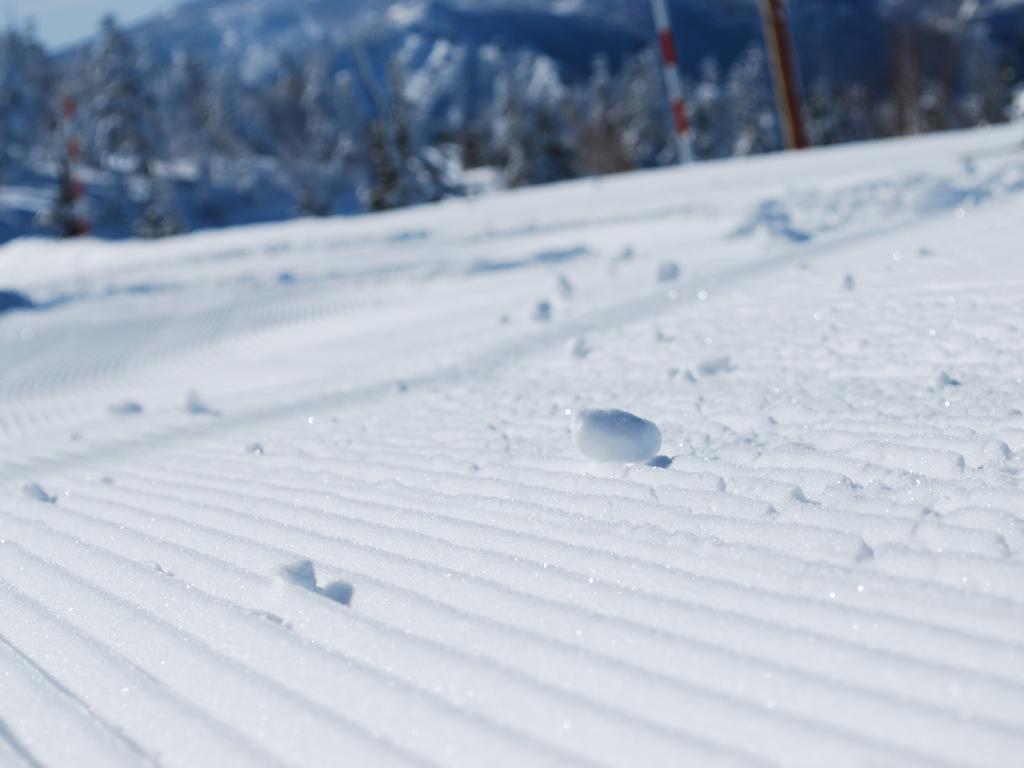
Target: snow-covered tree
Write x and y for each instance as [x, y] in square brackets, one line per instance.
[27, 83]
[713, 128]
[313, 134]
[641, 111]
[125, 134]
[986, 79]
[529, 123]
[403, 170]
[63, 218]
[120, 106]
[600, 140]
[185, 101]
[752, 105]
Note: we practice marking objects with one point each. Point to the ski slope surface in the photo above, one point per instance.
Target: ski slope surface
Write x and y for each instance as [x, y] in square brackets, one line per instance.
[311, 495]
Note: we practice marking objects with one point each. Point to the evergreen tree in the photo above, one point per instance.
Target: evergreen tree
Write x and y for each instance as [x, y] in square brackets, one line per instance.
[185, 101]
[641, 111]
[384, 189]
[245, 141]
[600, 143]
[903, 117]
[933, 108]
[126, 134]
[713, 131]
[120, 106]
[986, 78]
[296, 136]
[27, 83]
[402, 170]
[752, 105]
[64, 218]
[470, 131]
[530, 127]
[825, 122]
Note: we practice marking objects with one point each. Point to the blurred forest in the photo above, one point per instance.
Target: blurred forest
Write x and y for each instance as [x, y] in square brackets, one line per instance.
[176, 142]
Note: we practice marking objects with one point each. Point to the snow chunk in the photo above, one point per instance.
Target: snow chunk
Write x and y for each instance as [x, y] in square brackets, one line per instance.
[615, 436]
[338, 591]
[687, 375]
[565, 287]
[127, 408]
[997, 452]
[302, 574]
[715, 366]
[668, 272]
[35, 492]
[578, 347]
[194, 405]
[774, 218]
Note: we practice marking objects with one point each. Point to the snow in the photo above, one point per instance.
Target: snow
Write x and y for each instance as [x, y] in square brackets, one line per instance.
[615, 435]
[820, 566]
[668, 272]
[126, 408]
[12, 300]
[302, 574]
[194, 405]
[714, 366]
[36, 493]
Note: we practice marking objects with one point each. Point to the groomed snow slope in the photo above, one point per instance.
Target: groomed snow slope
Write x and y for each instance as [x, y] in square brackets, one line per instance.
[828, 574]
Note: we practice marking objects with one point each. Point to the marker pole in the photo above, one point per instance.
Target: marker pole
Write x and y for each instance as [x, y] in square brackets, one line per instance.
[673, 86]
[775, 19]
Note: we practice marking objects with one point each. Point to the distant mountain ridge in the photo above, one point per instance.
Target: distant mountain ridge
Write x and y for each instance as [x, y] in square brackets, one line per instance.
[572, 32]
[837, 38]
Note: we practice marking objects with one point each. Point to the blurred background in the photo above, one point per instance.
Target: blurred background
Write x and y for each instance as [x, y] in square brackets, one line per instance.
[154, 118]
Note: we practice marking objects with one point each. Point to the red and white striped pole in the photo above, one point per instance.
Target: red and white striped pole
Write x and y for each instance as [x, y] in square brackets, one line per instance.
[673, 86]
[79, 222]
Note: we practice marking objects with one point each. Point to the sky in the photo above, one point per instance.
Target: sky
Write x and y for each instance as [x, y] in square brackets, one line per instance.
[60, 22]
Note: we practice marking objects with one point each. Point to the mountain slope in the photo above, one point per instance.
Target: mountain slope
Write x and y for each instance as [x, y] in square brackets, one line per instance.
[571, 33]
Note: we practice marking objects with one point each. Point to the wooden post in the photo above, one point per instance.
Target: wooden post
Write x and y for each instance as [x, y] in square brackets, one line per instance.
[785, 75]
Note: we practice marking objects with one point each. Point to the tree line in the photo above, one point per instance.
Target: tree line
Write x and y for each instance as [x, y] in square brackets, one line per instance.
[168, 145]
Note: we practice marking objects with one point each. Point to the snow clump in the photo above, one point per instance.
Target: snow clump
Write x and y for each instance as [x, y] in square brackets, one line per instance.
[578, 347]
[668, 272]
[194, 405]
[614, 436]
[35, 492]
[715, 366]
[127, 408]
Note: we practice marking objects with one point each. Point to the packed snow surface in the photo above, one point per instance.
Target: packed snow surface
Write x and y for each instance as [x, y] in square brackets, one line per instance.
[342, 518]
